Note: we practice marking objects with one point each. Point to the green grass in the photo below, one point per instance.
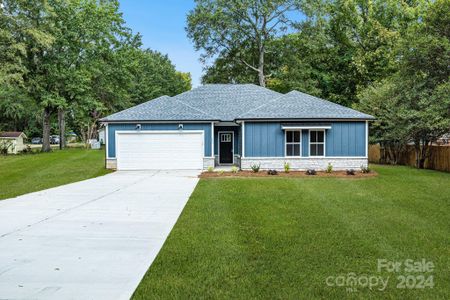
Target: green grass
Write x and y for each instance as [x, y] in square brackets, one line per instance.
[277, 238]
[21, 174]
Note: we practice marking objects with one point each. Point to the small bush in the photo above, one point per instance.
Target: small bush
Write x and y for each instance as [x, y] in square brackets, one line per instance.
[329, 168]
[210, 169]
[255, 167]
[350, 172]
[5, 145]
[234, 169]
[272, 172]
[28, 150]
[365, 170]
[221, 172]
[311, 172]
[287, 167]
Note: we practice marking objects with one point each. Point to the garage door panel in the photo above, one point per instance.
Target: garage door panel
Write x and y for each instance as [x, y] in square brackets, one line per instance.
[149, 150]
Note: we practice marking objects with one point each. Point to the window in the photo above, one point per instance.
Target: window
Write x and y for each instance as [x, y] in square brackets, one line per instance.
[293, 143]
[225, 137]
[317, 143]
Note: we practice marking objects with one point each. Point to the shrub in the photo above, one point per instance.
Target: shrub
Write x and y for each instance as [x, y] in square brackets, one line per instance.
[350, 172]
[221, 172]
[255, 167]
[329, 168]
[365, 170]
[311, 172]
[272, 172]
[210, 169]
[234, 169]
[27, 150]
[5, 145]
[287, 167]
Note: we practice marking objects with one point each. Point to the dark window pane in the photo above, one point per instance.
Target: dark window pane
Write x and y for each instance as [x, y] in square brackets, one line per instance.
[312, 150]
[313, 135]
[320, 136]
[289, 136]
[289, 150]
[296, 150]
[320, 150]
[296, 136]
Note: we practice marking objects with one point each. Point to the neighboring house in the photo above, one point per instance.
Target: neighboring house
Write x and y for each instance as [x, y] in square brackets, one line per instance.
[444, 140]
[101, 135]
[243, 125]
[13, 140]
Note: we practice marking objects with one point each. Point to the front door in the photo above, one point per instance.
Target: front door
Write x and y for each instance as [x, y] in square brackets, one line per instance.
[226, 147]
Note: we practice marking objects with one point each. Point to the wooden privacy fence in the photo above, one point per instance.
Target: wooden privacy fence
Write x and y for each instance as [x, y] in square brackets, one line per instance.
[439, 158]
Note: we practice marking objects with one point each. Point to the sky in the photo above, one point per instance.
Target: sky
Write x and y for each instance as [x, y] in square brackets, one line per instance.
[161, 24]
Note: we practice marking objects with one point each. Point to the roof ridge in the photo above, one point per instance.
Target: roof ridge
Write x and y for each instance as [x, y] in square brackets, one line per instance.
[262, 105]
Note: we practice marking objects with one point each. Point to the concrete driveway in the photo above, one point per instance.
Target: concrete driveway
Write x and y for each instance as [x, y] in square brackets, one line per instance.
[93, 239]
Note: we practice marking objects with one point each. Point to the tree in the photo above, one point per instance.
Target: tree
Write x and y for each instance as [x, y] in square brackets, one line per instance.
[413, 105]
[229, 27]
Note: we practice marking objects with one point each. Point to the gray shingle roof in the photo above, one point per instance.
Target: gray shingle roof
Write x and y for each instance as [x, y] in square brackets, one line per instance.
[297, 105]
[228, 102]
[164, 108]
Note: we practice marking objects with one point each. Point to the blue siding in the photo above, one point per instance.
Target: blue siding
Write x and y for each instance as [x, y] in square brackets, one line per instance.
[266, 139]
[305, 143]
[346, 139]
[157, 126]
[237, 140]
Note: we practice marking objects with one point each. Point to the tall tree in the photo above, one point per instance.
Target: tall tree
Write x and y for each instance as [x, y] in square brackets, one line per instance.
[418, 92]
[225, 27]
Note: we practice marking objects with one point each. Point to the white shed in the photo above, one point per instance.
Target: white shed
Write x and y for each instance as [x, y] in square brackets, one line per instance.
[13, 141]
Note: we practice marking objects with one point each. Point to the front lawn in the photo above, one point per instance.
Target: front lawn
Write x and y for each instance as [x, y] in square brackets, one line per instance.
[21, 174]
[282, 238]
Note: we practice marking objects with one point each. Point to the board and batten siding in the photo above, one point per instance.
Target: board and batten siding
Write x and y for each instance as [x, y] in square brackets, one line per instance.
[112, 128]
[267, 139]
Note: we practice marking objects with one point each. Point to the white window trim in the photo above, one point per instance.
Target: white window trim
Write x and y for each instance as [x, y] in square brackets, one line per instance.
[317, 143]
[292, 143]
[367, 138]
[218, 147]
[243, 139]
[212, 140]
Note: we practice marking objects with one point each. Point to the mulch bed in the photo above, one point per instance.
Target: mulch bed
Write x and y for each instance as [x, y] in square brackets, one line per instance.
[334, 174]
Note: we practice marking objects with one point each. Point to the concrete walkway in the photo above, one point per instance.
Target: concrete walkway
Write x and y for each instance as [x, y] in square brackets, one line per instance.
[93, 239]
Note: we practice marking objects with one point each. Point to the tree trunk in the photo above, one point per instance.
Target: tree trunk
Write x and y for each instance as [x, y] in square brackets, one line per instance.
[62, 128]
[261, 77]
[46, 130]
[421, 147]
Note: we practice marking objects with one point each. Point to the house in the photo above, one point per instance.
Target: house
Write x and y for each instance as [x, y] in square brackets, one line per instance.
[12, 141]
[236, 124]
[101, 135]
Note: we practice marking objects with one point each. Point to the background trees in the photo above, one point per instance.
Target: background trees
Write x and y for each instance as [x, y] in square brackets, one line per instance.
[74, 62]
[388, 58]
[65, 64]
[235, 28]
[413, 103]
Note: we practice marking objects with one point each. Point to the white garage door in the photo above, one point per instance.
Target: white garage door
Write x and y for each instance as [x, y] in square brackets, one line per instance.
[149, 150]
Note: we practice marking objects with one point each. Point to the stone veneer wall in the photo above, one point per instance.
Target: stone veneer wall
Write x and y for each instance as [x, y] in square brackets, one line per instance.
[304, 163]
[207, 162]
[111, 163]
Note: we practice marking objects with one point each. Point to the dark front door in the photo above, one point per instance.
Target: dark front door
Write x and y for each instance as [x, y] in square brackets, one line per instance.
[225, 147]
